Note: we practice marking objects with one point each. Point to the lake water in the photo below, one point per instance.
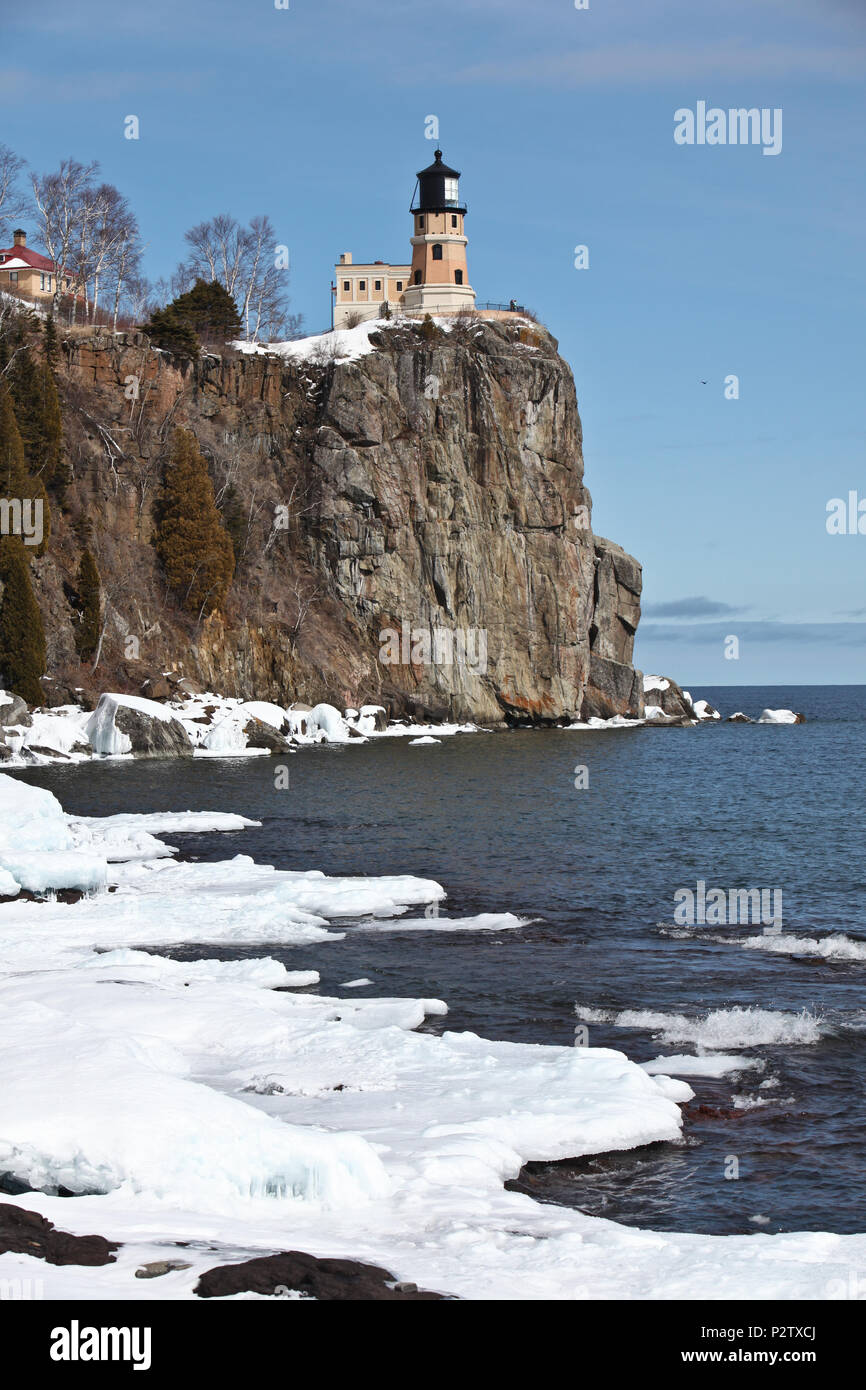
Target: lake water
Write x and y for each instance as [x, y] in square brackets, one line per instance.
[497, 820]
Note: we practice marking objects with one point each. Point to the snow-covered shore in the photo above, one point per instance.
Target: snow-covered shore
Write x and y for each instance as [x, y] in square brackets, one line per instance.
[218, 726]
[225, 1105]
[206, 725]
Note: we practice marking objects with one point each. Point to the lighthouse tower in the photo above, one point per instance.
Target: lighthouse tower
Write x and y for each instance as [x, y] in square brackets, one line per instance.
[438, 279]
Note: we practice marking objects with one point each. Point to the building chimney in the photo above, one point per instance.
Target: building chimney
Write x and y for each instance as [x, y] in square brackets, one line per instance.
[19, 237]
[346, 258]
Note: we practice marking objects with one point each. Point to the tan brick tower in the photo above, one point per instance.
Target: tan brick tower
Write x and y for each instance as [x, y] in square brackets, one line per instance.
[438, 279]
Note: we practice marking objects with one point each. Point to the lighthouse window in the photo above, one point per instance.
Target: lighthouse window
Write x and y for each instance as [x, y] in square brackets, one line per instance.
[417, 277]
[454, 219]
[437, 252]
[399, 284]
[458, 277]
[347, 286]
[362, 284]
[377, 285]
[420, 224]
[451, 190]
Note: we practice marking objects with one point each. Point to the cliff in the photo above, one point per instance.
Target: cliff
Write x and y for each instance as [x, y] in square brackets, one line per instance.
[411, 525]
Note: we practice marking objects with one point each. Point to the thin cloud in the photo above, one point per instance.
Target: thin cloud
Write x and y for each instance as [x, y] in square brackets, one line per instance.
[18, 85]
[648, 63]
[797, 634]
[697, 607]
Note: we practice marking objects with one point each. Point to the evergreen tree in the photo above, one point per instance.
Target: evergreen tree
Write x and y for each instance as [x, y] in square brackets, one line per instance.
[206, 312]
[89, 599]
[195, 549]
[16, 482]
[172, 333]
[234, 519]
[22, 635]
[49, 343]
[37, 413]
[209, 310]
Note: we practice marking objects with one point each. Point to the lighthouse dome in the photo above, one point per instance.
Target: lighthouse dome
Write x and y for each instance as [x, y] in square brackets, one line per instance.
[438, 188]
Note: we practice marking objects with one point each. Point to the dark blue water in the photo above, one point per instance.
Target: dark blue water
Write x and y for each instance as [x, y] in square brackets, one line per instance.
[497, 820]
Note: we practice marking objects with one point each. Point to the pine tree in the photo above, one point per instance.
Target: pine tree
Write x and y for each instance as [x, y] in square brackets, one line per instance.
[37, 413]
[209, 310]
[89, 599]
[195, 549]
[49, 343]
[169, 331]
[22, 635]
[16, 483]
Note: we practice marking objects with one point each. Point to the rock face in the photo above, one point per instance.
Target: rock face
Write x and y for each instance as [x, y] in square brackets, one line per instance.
[412, 528]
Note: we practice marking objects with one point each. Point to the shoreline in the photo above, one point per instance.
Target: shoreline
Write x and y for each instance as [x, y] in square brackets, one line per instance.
[328, 1125]
[205, 725]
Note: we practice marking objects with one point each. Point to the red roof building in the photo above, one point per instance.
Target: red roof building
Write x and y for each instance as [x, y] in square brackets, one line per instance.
[27, 272]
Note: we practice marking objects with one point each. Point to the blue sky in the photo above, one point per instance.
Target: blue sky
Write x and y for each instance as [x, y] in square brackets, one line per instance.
[704, 261]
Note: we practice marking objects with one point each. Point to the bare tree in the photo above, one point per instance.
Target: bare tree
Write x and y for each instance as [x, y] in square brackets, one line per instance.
[246, 263]
[112, 239]
[134, 294]
[127, 265]
[62, 203]
[12, 201]
[218, 250]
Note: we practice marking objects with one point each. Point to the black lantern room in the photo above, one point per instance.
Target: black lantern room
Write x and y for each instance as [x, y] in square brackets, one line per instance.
[438, 188]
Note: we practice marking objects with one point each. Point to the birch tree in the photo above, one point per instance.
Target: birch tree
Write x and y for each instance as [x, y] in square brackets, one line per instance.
[12, 201]
[62, 206]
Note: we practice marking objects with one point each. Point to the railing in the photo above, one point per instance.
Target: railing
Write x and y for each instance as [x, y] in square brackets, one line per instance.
[452, 203]
[511, 307]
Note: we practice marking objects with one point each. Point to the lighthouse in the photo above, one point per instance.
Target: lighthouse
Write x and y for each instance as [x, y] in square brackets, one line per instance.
[439, 278]
[437, 281]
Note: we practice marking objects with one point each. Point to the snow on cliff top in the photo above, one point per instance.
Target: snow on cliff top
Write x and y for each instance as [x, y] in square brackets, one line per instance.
[337, 344]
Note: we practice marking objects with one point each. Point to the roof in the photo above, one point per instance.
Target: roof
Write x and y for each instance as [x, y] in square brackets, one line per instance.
[20, 256]
[437, 167]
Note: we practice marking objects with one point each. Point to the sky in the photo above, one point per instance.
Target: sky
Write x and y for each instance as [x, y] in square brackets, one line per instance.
[705, 261]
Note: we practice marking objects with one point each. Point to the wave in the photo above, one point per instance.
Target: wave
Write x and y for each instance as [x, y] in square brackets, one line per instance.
[720, 1028]
[834, 946]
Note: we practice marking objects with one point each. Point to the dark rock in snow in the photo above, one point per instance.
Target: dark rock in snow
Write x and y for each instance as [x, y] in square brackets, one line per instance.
[156, 1268]
[306, 1274]
[27, 1233]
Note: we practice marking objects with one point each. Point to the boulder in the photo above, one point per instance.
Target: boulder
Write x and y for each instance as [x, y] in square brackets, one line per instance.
[14, 710]
[324, 1280]
[379, 716]
[188, 687]
[153, 738]
[124, 724]
[156, 688]
[27, 1233]
[262, 735]
[661, 692]
[739, 718]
